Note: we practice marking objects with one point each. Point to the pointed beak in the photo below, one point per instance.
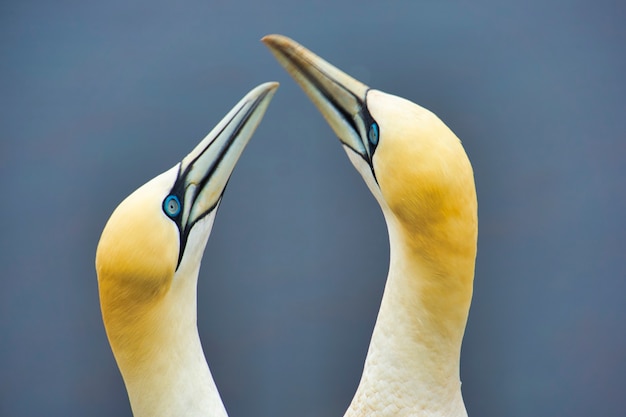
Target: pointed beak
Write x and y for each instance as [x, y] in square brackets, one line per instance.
[341, 99]
[204, 173]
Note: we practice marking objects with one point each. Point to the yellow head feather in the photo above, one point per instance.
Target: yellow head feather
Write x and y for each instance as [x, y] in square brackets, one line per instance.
[136, 260]
[424, 175]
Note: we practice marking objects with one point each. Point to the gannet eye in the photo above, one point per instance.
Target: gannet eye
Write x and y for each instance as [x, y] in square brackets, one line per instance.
[372, 135]
[171, 206]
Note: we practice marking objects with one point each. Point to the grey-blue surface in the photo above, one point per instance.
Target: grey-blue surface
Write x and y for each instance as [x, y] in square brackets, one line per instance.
[97, 97]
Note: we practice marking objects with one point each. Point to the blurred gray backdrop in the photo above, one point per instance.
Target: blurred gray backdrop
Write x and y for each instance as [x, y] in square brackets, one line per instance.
[97, 97]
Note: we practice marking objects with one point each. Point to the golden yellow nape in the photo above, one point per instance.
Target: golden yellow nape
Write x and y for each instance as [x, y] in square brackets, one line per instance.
[148, 260]
[420, 175]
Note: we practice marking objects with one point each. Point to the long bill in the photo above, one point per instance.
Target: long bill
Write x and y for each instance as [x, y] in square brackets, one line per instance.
[204, 172]
[341, 99]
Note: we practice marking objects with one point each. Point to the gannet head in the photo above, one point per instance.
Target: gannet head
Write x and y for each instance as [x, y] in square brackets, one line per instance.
[411, 161]
[149, 253]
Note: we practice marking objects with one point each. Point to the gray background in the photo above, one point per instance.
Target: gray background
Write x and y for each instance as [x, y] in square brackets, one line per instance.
[97, 97]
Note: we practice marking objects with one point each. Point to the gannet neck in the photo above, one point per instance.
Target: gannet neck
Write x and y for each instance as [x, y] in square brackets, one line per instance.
[161, 359]
[412, 365]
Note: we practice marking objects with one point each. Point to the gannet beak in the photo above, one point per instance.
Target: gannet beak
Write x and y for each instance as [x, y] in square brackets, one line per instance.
[341, 99]
[204, 173]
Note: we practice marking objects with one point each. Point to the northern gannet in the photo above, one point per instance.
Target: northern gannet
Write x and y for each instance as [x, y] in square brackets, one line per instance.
[147, 263]
[418, 171]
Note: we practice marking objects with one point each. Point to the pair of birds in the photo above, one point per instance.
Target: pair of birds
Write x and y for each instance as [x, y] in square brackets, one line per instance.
[150, 251]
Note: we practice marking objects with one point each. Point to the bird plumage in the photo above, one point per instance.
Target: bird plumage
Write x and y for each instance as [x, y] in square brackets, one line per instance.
[419, 173]
[147, 262]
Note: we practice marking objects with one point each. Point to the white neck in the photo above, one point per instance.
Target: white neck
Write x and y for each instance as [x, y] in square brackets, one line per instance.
[179, 384]
[412, 365]
[170, 377]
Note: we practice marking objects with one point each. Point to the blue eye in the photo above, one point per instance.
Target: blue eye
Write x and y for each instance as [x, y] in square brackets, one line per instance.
[171, 206]
[372, 135]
